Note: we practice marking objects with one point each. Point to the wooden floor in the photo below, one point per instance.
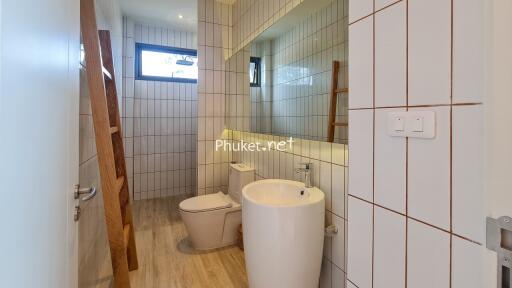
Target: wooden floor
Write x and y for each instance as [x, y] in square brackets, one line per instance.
[166, 259]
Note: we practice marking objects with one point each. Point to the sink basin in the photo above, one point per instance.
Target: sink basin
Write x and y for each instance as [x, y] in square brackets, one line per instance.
[283, 225]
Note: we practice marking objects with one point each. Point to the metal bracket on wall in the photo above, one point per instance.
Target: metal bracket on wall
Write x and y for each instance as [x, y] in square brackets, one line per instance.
[499, 239]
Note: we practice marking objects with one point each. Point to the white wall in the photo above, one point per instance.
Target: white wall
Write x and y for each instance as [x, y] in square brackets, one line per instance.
[415, 211]
[159, 120]
[39, 124]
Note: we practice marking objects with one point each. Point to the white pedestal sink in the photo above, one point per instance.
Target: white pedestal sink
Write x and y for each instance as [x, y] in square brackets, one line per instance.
[283, 225]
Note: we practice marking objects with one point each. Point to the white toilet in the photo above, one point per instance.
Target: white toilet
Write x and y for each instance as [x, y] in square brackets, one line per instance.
[212, 220]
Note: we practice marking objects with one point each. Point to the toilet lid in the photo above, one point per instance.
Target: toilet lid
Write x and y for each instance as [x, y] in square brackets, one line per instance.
[205, 203]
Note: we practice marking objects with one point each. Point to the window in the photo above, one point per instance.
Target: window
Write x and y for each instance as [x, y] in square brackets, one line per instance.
[255, 72]
[161, 63]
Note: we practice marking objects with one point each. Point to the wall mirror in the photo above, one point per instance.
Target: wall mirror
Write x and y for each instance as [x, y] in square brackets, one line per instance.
[285, 81]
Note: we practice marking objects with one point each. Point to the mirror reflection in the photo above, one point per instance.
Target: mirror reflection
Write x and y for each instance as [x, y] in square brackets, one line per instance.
[292, 79]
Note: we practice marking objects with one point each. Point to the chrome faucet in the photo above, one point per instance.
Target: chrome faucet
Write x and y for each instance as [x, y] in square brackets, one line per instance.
[307, 174]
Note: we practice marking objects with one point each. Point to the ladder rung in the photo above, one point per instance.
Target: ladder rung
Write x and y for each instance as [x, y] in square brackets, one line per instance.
[114, 129]
[339, 124]
[126, 232]
[343, 90]
[119, 184]
[106, 73]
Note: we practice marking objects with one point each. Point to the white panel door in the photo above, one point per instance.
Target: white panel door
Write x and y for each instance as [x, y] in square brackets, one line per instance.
[498, 121]
[39, 55]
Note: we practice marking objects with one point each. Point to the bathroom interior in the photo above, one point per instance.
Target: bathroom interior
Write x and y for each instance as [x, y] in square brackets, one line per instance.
[263, 144]
[264, 71]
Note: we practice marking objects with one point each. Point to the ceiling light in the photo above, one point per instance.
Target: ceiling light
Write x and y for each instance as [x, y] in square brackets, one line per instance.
[180, 16]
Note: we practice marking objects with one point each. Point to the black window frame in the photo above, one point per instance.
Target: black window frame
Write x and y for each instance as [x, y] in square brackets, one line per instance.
[257, 62]
[139, 47]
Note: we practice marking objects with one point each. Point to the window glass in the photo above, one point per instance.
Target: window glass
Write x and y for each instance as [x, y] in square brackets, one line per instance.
[162, 63]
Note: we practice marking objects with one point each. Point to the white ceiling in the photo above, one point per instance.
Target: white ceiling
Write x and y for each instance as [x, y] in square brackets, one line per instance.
[163, 12]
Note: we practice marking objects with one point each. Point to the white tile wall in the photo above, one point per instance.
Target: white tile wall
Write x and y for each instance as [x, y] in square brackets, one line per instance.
[390, 164]
[361, 154]
[467, 179]
[359, 9]
[214, 45]
[390, 56]
[428, 256]
[160, 120]
[429, 173]
[360, 70]
[251, 17]
[299, 63]
[468, 53]
[389, 256]
[429, 52]
[380, 4]
[467, 259]
[360, 242]
[432, 187]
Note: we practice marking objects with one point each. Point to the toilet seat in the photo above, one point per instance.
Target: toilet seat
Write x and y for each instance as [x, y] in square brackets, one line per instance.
[206, 203]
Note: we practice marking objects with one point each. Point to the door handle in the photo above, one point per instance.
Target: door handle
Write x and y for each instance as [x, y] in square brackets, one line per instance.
[88, 192]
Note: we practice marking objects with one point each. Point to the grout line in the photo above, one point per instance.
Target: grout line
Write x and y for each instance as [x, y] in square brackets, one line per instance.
[451, 142]
[406, 263]
[417, 106]
[373, 146]
[415, 219]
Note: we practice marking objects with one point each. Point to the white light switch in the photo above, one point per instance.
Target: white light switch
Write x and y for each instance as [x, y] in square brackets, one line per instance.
[399, 123]
[417, 124]
[396, 124]
[414, 124]
[420, 124]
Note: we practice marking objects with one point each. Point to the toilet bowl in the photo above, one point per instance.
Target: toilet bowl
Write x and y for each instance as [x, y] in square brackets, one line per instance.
[212, 220]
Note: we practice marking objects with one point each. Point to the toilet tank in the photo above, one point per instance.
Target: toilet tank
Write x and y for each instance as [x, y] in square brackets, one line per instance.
[239, 176]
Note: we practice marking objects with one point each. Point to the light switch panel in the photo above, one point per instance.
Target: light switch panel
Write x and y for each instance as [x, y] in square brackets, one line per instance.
[414, 124]
[396, 124]
[420, 124]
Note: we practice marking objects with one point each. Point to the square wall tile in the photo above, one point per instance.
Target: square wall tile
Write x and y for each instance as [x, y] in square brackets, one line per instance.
[359, 9]
[360, 242]
[389, 257]
[390, 164]
[468, 54]
[466, 264]
[429, 52]
[360, 69]
[361, 154]
[428, 256]
[390, 56]
[467, 189]
[429, 173]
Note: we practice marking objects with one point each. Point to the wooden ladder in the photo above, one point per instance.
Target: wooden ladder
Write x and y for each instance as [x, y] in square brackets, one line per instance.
[332, 124]
[109, 145]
